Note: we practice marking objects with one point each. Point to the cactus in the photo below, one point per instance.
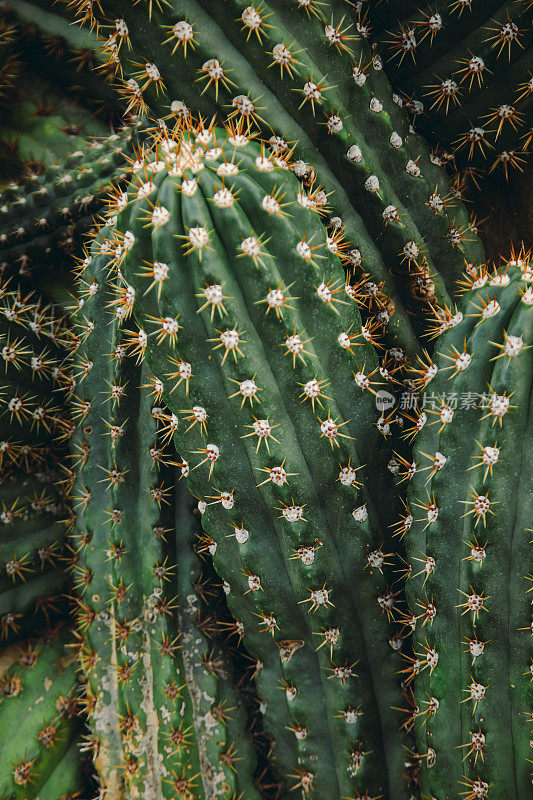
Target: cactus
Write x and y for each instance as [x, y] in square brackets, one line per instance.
[33, 425]
[464, 71]
[156, 730]
[312, 348]
[50, 96]
[40, 730]
[468, 543]
[306, 76]
[44, 216]
[253, 615]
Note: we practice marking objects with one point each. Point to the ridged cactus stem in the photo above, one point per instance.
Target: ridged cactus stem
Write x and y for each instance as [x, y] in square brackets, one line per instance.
[40, 727]
[42, 215]
[141, 702]
[208, 667]
[34, 428]
[284, 470]
[469, 548]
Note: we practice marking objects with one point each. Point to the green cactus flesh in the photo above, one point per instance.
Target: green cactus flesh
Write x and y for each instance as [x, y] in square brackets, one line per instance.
[467, 532]
[152, 706]
[208, 668]
[245, 319]
[40, 729]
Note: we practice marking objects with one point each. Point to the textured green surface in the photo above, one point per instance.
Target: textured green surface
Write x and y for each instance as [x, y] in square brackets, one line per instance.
[33, 426]
[44, 216]
[476, 532]
[152, 702]
[40, 728]
[332, 751]
[386, 192]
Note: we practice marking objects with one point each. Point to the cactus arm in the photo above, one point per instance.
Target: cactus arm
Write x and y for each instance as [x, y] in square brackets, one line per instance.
[144, 719]
[461, 570]
[39, 689]
[92, 540]
[40, 214]
[296, 422]
[33, 387]
[211, 688]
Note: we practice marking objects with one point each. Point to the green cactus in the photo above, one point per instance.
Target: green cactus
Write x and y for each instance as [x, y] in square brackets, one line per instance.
[306, 76]
[155, 727]
[51, 98]
[40, 729]
[43, 217]
[294, 487]
[34, 384]
[208, 667]
[467, 539]
[464, 71]
[253, 615]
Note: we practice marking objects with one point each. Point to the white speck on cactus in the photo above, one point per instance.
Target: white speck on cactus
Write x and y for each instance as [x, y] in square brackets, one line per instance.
[372, 184]
[354, 154]
[360, 514]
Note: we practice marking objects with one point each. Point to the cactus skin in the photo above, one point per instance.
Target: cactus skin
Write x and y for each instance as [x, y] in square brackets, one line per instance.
[146, 732]
[50, 94]
[40, 728]
[406, 178]
[478, 581]
[332, 750]
[207, 665]
[462, 118]
[45, 215]
[34, 386]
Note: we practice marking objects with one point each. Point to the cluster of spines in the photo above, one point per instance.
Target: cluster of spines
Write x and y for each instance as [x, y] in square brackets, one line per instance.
[207, 187]
[465, 527]
[34, 428]
[463, 70]
[396, 208]
[40, 729]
